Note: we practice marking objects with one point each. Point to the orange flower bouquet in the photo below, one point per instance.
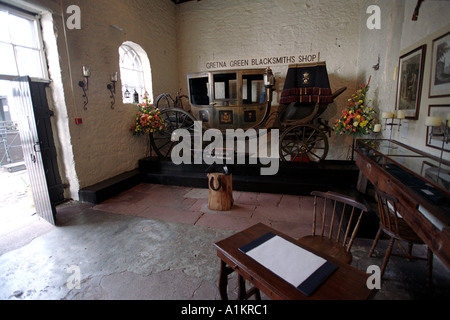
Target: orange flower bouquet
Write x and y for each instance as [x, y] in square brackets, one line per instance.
[358, 118]
[148, 119]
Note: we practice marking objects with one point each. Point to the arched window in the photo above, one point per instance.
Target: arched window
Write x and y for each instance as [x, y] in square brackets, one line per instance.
[135, 72]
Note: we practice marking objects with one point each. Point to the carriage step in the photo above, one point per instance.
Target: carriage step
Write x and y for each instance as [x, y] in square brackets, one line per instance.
[292, 178]
[106, 189]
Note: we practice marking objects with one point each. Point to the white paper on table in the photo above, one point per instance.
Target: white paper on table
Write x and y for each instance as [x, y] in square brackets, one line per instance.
[287, 260]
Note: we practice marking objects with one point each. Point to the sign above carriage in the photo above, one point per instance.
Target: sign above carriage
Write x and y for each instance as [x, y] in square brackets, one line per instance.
[262, 61]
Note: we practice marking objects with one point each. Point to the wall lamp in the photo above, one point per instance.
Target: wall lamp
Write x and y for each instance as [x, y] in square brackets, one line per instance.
[399, 115]
[112, 88]
[85, 85]
[442, 130]
[127, 94]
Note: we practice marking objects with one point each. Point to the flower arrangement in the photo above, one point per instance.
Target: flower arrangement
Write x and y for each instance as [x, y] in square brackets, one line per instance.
[148, 119]
[358, 118]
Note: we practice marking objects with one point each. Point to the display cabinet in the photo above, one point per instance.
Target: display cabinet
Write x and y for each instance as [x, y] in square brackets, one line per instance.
[420, 181]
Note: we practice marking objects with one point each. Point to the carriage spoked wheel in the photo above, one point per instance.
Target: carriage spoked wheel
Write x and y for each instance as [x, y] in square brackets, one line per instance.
[303, 143]
[174, 119]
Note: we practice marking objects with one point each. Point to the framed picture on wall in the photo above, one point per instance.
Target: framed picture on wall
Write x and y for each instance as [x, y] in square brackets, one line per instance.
[435, 135]
[410, 77]
[440, 67]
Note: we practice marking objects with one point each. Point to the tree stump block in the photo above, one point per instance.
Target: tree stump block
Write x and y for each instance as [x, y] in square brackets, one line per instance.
[220, 192]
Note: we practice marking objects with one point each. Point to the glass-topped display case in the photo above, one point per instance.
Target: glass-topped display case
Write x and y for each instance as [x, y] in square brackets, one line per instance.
[423, 173]
[419, 181]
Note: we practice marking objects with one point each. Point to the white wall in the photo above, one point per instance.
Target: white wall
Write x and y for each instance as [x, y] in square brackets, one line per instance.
[180, 39]
[399, 35]
[215, 30]
[103, 147]
[433, 22]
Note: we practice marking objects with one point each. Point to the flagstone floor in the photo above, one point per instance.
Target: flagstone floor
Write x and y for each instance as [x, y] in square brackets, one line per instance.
[291, 215]
[156, 242]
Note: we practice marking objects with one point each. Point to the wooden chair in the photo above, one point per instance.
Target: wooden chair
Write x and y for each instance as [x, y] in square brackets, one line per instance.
[336, 244]
[392, 225]
[334, 232]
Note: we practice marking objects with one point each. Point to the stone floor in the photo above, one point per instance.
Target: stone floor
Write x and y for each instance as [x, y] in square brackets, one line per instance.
[156, 242]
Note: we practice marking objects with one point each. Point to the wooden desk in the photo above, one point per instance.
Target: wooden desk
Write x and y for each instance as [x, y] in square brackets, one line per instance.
[410, 176]
[347, 282]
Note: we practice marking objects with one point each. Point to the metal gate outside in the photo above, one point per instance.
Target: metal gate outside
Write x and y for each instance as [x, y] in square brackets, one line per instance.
[11, 155]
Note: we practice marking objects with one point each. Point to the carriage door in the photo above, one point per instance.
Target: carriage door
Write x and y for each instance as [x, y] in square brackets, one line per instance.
[37, 144]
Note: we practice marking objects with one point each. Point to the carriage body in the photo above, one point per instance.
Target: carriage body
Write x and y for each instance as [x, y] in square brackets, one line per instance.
[306, 93]
[241, 99]
[229, 99]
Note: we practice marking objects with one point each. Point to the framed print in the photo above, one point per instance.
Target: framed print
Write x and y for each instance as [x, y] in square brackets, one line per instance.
[435, 135]
[440, 67]
[410, 76]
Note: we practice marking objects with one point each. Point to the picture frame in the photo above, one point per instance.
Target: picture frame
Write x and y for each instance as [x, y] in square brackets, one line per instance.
[435, 140]
[410, 79]
[440, 67]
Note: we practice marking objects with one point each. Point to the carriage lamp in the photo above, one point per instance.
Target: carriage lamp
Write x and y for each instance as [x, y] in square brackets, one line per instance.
[85, 85]
[269, 78]
[112, 88]
[269, 83]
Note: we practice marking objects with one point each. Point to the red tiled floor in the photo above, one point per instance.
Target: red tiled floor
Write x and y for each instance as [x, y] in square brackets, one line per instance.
[249, 198]
[289, 214]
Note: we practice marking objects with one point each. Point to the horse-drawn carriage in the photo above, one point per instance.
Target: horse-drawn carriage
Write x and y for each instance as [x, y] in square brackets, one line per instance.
[242, 99]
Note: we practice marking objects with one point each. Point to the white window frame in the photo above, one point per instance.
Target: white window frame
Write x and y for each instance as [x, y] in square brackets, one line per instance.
[144, 72]
[40, 44]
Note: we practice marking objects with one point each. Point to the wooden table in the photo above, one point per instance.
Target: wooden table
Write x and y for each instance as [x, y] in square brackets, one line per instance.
[381, 162]
[347, 282]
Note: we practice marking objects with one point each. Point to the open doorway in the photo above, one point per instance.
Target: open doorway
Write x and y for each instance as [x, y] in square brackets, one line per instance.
[15, 188]
[30, 185]
[17, 209]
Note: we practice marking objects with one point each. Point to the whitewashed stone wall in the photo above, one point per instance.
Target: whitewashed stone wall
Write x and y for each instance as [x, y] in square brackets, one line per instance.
[216, 31]
[181, 39]
[399, 35]
[103, 147]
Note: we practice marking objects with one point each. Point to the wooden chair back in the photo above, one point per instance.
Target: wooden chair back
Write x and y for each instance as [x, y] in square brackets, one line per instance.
[389, 215]
[340, 217]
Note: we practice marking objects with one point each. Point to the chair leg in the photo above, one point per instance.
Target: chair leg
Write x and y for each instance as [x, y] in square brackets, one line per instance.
[429, 267]
[387, 255]
[375, 242]
[410, 248]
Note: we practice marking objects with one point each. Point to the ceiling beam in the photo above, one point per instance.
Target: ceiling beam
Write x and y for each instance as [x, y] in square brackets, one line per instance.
[181, 1]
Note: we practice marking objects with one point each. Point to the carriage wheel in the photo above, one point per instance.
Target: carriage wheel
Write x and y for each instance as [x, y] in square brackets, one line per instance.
[303, 143]
[163, 101]
[174, 119]
[184, 103]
